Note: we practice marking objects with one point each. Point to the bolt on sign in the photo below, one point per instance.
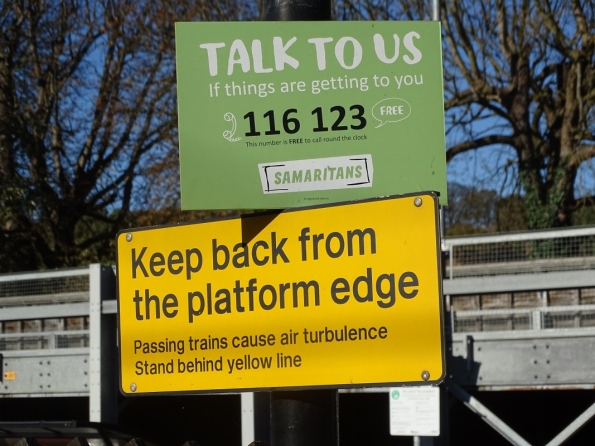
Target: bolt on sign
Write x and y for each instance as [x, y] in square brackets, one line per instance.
[336, 296]
[275, 115]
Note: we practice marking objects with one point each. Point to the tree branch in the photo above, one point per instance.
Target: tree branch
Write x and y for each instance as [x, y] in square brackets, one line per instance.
[476, 144]
[585, 152]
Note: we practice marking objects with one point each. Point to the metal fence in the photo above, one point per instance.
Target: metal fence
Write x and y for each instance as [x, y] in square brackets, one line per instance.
[67, 286]
[515, 253]
[44, 340]
[542, 318]
[522, 254]
[468, 257]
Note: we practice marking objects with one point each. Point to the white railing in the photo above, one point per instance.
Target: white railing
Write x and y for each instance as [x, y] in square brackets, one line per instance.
[519, 253]
[539, 318]
[468, 257]
[44, 340]
[39, 288]
[37, 308]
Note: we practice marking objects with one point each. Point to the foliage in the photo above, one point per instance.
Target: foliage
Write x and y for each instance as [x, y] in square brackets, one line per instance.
[477, 211]
[470, 210]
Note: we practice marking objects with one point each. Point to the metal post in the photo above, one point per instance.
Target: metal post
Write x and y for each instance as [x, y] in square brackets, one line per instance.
[256, 418]
[304, 418]
[486, 415]
[573, 427]
[292, 10]
[103, 359]
[443, 439]
[423, 441]
[536, 320]
[248, 434]
[308, 417]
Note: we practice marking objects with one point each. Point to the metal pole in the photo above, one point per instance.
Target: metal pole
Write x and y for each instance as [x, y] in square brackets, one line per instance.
[573, 427]
[294, 10]
[306, 417]
[486, 415]
[443, 439]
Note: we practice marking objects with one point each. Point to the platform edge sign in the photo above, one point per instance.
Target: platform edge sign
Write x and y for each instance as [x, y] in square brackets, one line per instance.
[344, 295]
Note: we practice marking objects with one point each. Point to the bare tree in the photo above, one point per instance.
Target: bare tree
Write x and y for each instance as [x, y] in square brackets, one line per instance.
[87, 111]
[88, 123]
[522, 74]
[519, 77]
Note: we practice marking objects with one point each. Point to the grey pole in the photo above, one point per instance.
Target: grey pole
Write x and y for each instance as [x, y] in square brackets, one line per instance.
[294, 10]
[305, 417]
[423, 441]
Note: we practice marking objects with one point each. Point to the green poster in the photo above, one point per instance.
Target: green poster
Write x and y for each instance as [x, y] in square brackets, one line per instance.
[275, 115]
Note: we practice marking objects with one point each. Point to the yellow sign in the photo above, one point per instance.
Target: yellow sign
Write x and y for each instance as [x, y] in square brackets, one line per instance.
[339, 296]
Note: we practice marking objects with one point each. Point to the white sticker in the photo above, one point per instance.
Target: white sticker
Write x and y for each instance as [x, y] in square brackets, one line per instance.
[415, 411]
[341, 172]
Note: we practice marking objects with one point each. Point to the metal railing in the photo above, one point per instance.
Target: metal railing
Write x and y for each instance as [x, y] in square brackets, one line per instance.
[557, 305]
[541, 318]
[468, 257]
[517, 253]
[44, 340]
[38, 288]
[30, 292]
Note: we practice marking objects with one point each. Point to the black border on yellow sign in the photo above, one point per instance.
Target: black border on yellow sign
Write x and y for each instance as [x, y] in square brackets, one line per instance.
[432, 382]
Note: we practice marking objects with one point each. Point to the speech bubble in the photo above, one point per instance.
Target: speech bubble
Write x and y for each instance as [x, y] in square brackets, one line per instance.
[391, 110]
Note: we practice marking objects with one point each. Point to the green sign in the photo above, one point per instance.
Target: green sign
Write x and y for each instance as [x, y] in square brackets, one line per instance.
[275, 115]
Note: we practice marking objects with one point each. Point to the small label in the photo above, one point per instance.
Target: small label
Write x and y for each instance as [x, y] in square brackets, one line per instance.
[341, 172]
[10, 376]
[415, 411]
